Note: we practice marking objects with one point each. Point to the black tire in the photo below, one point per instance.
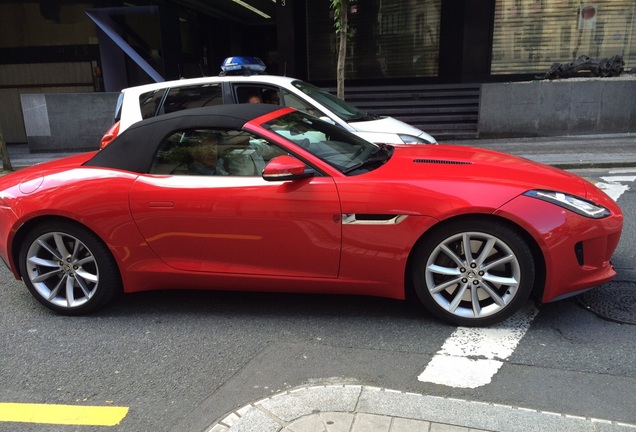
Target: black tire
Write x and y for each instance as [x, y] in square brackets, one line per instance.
[481, 288]
[68, 268]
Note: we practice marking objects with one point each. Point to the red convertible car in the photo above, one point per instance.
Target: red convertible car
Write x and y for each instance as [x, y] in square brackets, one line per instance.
[259, 198]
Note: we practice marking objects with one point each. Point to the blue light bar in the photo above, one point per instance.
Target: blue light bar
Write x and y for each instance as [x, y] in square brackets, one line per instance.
[242, 66]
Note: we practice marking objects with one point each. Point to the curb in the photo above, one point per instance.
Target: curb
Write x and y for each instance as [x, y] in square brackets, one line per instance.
[293, 411]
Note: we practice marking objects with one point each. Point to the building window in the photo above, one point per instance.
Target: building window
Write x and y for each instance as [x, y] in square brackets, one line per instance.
[530, 35]
[388, 39]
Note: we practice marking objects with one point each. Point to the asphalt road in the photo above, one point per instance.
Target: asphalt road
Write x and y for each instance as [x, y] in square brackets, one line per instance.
[181, 360]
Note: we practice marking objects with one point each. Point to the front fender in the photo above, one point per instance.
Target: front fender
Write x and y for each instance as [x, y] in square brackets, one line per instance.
[576, 249]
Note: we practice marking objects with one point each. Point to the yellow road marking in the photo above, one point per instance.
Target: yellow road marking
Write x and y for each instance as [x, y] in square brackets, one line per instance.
[62, 414]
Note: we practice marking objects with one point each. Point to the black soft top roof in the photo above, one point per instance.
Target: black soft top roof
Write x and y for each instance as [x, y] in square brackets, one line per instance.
[135, 148]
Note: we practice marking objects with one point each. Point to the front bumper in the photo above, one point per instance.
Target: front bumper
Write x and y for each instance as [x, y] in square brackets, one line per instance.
[576, 250]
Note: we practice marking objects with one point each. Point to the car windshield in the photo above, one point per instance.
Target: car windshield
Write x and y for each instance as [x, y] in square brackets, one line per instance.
[337, 106]
[344, 151]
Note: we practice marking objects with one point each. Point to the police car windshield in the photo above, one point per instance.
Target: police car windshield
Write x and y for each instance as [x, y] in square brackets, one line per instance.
[337, 106]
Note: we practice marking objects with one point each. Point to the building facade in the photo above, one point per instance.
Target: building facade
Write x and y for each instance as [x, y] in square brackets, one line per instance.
[104, 45]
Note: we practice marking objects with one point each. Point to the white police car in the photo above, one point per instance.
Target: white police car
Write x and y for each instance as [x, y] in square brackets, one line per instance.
[242, 80]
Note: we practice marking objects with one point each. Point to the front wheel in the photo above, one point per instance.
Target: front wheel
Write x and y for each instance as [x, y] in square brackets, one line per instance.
[473, 273]
[68, 269]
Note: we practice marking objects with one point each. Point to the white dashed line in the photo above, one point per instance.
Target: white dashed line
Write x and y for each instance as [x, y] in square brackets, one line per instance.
[471, 357]
[614, 185]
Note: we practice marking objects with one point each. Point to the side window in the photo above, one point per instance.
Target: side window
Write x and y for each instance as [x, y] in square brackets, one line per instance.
[213, 152]
[243, 154]
[186, 152]
[257, 94]
[149, 103]
[291, 100]
[181, 98]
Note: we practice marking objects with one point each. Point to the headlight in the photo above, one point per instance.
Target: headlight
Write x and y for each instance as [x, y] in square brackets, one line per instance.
[577, 205]
[410, 139]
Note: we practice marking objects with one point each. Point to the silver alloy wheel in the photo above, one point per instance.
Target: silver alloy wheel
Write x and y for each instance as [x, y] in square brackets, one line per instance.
[473, 275]
[62, 269]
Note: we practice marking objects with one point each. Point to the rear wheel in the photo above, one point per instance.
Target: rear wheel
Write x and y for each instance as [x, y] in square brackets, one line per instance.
[68, 269]
[473, 273]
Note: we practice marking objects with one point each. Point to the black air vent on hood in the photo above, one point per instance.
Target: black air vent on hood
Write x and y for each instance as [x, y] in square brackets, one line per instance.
[441, 162]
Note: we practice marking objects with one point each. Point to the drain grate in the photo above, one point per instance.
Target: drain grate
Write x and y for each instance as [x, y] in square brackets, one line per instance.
[615, 301]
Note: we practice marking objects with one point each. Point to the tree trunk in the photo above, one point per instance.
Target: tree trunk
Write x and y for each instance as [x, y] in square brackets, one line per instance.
[6, 161]
[342, 48]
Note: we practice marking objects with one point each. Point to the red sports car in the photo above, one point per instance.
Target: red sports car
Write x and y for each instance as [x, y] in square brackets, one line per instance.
[258, 198]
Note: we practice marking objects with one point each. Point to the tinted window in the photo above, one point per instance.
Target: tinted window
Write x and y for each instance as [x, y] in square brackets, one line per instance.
[181, 98]
[257, 94]
[291, 100]
[149, 103]
[120, 101]
[337, 106]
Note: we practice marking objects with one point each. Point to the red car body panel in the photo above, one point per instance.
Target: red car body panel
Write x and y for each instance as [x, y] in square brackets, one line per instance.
[173, 232]
[557, 231]
[241, 224]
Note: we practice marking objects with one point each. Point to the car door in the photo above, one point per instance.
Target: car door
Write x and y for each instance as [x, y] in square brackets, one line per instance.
[214, 221]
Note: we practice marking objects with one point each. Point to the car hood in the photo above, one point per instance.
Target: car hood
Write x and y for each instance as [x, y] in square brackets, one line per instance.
[468, 169]
[386, 125]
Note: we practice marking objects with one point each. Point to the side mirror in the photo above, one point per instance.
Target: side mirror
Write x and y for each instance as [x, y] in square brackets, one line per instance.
[283, 168]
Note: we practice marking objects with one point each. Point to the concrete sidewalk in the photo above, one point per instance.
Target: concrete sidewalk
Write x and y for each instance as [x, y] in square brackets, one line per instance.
[354, 408]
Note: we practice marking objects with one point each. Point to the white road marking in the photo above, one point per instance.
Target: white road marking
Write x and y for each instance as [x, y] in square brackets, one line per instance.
[613, 185]
[471, 357]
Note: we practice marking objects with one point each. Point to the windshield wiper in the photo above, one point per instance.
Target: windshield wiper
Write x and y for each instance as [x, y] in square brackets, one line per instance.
[380, 155]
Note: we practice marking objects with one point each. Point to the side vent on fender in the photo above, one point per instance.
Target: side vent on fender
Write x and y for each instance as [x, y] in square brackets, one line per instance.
[440, 162]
